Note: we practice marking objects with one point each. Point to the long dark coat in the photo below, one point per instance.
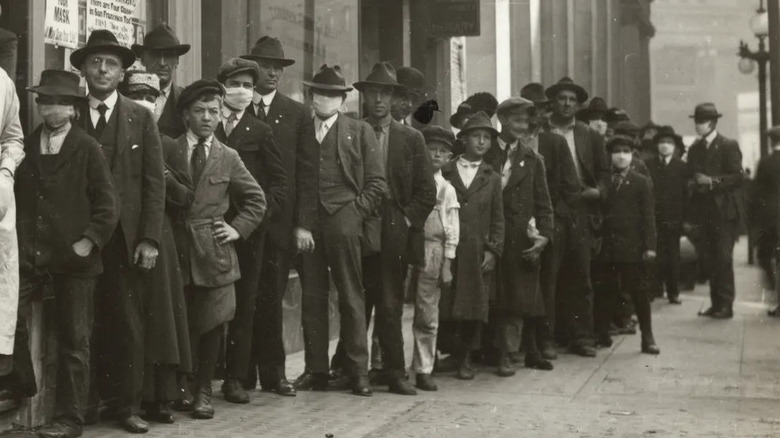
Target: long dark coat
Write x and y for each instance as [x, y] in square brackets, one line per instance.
[525, 196]
[670, 187]
[170, 122]
[481, 229]
[629, 221]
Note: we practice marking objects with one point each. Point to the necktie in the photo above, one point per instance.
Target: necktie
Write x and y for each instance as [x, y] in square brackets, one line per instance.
[322, 131]
[101, 124]
[161, 101]
[617, 179]
[198, 160]
[231, 120]
[261, 110]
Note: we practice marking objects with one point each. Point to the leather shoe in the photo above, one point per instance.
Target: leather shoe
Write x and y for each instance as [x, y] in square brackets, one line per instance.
[708, 312]
[445, 365]
[604, 341]
[339, 382]
[234, 392]
[285, 388]
[649, 347]
[60, 430]
[401, 386]
[425, 382]
[537, 362]
[309, 381]
[724, 313]
[378, 377]
[159, 413]
[360, 387]
[505, 367]
[91, 416]
[184, 403]
[465, 370]
[675, 300]
[583, 350]
[549, 352]
[134, 424]
[202, 408]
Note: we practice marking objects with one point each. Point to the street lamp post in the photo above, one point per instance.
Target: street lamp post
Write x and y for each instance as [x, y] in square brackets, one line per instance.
[759, 24]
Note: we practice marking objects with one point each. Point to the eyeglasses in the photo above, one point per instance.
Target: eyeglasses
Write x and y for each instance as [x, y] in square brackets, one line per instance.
[110, 63]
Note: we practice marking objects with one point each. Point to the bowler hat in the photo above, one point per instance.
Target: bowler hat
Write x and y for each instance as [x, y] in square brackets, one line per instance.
[102, 40]
[136, 80]
[774, 133]
[535, 93]
[328, 78]
[706, 111]
[668, 132]
[59, 83]
[439, 134]
[620, 139]
[412, 79]
[566, 83]
[479, 120]
[596, 106]
[382, 74]
[235, 66]
[195, 90]
[268, 48]
[161, 38]
[516, 103]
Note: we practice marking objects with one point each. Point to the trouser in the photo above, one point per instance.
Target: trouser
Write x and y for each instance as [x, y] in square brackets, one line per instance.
[238, 345]
[609, 281]
[337, 247]
[160, 384]
[550, 265]
[68, 307]
[118, 335]
[268, 355]
[205, 354]
[668, 261]
[574, 300]
[717, 241]
[426, 308]
[467, 336]
[766, 250]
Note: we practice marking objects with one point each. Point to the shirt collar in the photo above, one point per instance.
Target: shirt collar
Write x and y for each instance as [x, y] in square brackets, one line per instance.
[192, 139]
[382, 123]
[566, 127]
[110, 101]
[711, 136]
[438, 177]
[266, 98]
[62, 130]
[622, 173]
[167, 90]
[227, 111]
[463, 162]
[327, 122]
[502, 144]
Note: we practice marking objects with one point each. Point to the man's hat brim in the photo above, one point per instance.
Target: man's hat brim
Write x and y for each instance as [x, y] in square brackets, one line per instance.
[282, 61]
[179, 49]
[54, 90]
[126, 55]
[553, 91]
[327, 87]
[362, 85]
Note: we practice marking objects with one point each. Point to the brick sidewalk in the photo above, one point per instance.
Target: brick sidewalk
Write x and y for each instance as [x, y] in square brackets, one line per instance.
[713, 379]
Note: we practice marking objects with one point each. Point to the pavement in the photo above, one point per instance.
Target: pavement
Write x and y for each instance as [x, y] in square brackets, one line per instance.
[712, 379]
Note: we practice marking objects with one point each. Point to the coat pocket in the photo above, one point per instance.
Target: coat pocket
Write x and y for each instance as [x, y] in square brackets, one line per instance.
[212, 264]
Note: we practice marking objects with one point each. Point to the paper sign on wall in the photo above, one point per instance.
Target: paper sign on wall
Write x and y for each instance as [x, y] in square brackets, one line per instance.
[118, 16]
[61, 23]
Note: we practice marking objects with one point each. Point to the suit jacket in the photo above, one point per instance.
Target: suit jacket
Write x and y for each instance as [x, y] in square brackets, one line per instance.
[137, 169]
[293, 131]
[591, 155]
[765, 193]
[412, 188]
[670, 188]
[170, 122]
[255, 144]
[55, 210]
[628, 229]
[224, 184]
[721, 161]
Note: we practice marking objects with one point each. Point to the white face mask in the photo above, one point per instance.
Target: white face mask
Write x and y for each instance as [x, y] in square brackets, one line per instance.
[621, 160]
[56, 116]
[146, 104]
[325, 106]
[599, 126]
[238, 98]
[703, 129]
[665, 148]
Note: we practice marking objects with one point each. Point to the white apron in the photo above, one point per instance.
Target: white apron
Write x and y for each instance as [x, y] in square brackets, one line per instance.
[9, 267]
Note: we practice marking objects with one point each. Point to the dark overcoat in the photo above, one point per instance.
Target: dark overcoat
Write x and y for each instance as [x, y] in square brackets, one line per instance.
[670, 189]
[481, 229]
[629, 221]
[721, 161]
[765, 194]
[525, 196]
[170, 122]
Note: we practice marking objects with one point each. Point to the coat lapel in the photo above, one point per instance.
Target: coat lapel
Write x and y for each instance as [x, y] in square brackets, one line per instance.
[214, 154]
[240, 130]
[180, 163]
[480, 179]
[583, 153]
[395, 152]
[451, 174]
[522, 163]
[344, 145]
[124, 119]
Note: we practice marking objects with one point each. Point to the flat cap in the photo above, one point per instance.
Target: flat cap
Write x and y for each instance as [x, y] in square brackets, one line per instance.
[620, 140]
[238, 65]
[439, 134]
[515, 103]
[195, 90]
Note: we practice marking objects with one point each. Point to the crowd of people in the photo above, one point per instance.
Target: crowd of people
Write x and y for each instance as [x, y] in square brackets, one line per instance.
[159, 225]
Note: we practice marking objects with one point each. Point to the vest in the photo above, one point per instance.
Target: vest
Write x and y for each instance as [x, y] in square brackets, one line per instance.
[334, 191]
[108, 138]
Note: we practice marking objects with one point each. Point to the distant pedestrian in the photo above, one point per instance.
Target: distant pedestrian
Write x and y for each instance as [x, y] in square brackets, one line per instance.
[765, 212]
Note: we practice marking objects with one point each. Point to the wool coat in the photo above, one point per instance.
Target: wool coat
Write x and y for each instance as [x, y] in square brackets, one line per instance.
[481, 229]
[629, 221]
[722, 161]
[670, 188]
[170, 122]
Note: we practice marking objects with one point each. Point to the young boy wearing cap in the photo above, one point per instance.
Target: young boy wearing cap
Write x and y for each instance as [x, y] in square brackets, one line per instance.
[629, 241]
[465, 305]
[442, 231]
[66, 212]
[218, 202]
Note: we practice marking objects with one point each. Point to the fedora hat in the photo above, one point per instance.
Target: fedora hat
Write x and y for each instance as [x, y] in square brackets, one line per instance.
[195, 90]
[413, 80]
[59, 83]
[382, 74]
[616, 115]
[137, 80]
[328, 78]
[516, 103]
[480, 120]
[597, 105]
[161, 38]
[706, 111]
[566, 83]
[627, 128]
[238, 65]
[102, 40]
[535, 93]
[268, 48]
[668, 132]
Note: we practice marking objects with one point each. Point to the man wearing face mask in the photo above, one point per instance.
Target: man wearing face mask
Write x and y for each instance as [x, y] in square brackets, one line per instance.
[577, 239]
[716, 176]
[160, 54]
[352, 186]
[595, 115]
[670, 187]
[289, 229]
[255, 144]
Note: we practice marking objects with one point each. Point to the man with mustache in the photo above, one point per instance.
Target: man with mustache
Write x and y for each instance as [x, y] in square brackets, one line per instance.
[160, 54]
